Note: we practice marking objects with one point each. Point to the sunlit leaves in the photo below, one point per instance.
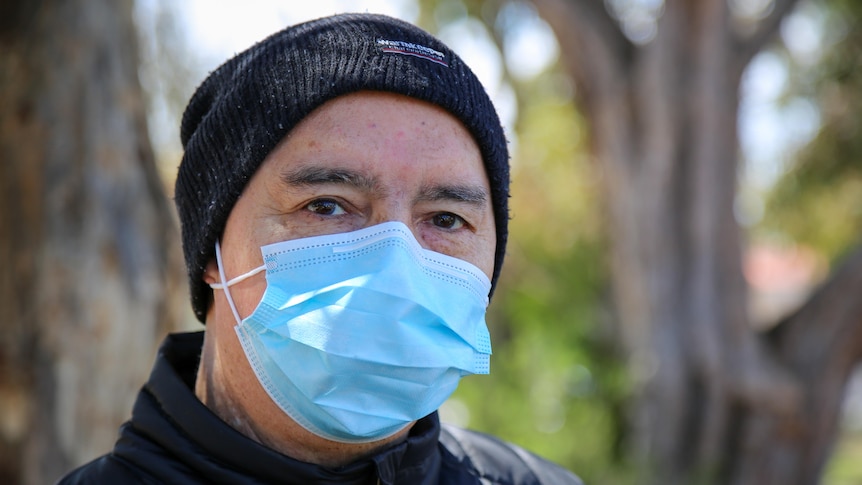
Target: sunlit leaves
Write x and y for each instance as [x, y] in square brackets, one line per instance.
[819, 201]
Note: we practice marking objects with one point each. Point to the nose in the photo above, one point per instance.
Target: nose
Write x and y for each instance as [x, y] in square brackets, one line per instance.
[394, 209]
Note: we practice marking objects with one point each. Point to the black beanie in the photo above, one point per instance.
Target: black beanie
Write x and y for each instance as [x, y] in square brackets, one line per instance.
[246, 106]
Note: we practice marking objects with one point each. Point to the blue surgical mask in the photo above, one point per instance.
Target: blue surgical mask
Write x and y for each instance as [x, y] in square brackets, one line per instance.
[358, 334]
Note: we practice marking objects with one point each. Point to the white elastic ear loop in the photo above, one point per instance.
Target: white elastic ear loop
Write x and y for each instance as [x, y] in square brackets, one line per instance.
[225, 285]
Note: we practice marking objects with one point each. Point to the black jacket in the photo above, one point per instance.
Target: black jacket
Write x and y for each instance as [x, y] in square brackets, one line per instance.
[173, 438]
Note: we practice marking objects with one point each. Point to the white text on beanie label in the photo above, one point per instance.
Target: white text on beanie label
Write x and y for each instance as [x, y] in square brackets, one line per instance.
[410, 49]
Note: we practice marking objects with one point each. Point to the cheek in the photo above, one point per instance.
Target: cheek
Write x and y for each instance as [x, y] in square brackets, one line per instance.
[481, 255]
[486, 258]
[478, 250]
[485, 250]
[247, 295]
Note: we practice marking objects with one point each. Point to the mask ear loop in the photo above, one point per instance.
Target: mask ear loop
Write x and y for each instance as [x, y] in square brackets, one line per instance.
[225, 286]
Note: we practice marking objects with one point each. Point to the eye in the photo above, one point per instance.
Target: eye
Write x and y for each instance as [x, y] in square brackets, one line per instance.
[447, 220]
[325, 207]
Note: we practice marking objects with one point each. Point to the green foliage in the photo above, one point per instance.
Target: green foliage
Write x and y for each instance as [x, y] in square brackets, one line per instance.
[819, 201]
[845, 468]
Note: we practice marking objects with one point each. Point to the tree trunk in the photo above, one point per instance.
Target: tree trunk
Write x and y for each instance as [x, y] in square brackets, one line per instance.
[87, 240]
[716, 402]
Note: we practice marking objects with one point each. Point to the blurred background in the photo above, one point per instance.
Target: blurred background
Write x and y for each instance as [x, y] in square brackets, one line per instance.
[682, 295]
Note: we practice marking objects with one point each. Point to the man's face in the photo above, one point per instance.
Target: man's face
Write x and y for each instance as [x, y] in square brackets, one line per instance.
[360, 160]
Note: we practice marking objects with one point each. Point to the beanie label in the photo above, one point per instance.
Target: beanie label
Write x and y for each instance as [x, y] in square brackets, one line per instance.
[410, 49]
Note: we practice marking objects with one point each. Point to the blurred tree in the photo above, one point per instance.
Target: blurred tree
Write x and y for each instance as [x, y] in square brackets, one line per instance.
[717, 402]
[169, 70]
[91, 268]
[817, 203]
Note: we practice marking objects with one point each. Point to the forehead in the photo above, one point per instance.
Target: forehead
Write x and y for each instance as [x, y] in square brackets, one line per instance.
[370, 109]
[372, 128]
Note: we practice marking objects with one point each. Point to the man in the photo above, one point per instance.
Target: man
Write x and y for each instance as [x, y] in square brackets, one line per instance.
[343, 201]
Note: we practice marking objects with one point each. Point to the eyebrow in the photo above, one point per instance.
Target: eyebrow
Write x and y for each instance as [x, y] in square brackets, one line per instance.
[308, 176]
[472, 194]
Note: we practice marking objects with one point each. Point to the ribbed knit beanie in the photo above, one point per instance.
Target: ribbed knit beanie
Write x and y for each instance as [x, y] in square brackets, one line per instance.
[246, 106]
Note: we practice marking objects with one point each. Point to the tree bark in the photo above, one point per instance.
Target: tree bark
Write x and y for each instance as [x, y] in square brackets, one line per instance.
[87, 240]
[716, 402]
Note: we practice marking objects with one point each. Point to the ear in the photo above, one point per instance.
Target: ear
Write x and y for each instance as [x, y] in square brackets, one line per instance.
[211, 274]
